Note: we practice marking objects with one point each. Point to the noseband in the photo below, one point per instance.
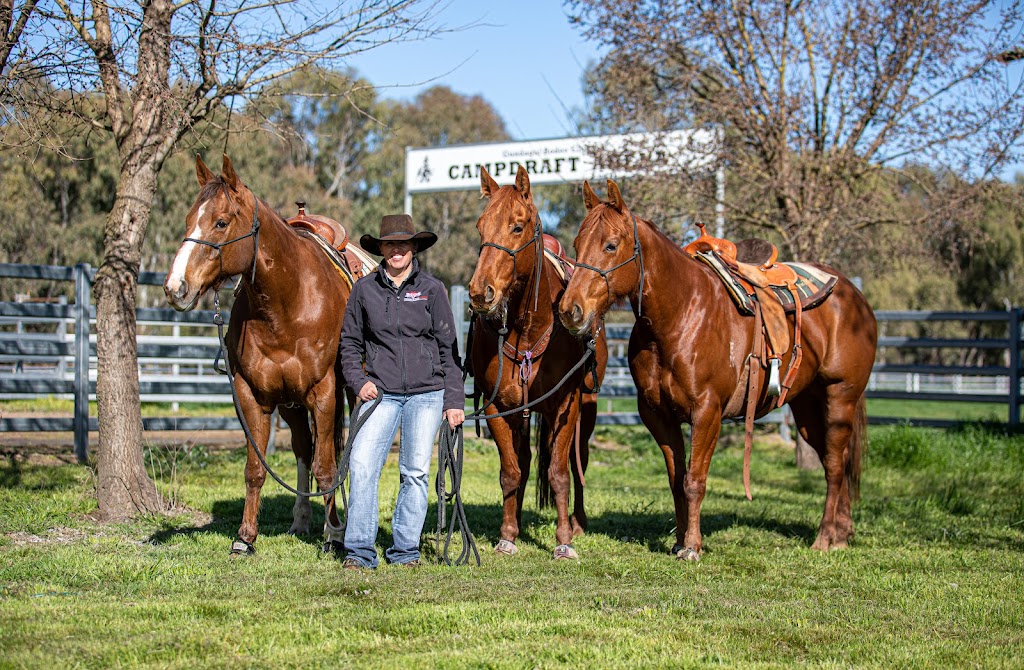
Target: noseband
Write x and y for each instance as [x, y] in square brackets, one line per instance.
[254, 234]
[537, 266]
[637, 256]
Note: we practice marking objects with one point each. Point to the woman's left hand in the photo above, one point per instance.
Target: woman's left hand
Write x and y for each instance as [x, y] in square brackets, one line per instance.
[455, 417]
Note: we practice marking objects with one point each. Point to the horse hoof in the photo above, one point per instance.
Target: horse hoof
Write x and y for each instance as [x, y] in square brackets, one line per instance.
[687, 554]
[242, 548]
[565, 551]
[507, 547]
[333, 548]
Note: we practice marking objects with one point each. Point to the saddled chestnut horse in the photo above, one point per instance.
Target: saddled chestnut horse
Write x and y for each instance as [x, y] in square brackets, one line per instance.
[513, 282]
[282, 339]
[688, 354]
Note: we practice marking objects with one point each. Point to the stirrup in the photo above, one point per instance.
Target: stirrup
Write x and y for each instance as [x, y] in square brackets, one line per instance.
[774, 385]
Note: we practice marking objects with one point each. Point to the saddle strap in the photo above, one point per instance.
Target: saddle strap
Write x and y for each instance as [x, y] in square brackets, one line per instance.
[534, 352]
[798, 351]
[754, 363]
[579, 459]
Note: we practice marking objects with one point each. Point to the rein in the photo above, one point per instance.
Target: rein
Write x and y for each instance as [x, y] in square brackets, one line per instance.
[637, 256]
[254, 233]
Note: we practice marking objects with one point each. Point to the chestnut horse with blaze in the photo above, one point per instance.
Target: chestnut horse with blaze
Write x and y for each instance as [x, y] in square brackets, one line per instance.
[282, 338]
[513, 281]
[688, 356]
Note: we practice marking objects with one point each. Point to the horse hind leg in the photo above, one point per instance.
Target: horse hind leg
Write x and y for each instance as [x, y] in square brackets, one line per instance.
[325, 464]
[297, 419]
[835, 429]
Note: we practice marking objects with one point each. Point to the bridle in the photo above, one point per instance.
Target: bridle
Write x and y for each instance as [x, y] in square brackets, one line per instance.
[254, 233]
[536, 239]
[637, 256]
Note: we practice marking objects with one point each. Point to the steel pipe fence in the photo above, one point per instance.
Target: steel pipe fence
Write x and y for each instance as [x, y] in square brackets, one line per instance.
[175, 367]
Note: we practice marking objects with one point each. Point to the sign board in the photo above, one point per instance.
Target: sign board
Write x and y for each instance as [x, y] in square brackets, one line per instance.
[557, 161]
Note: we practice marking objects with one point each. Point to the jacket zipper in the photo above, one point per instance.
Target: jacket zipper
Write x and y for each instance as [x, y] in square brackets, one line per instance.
[401, 340]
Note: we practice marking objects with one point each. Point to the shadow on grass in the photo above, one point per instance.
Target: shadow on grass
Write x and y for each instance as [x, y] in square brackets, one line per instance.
[484, 521]
[275, 518]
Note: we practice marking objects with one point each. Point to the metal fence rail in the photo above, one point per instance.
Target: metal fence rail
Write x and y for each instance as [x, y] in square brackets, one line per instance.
[175, 367]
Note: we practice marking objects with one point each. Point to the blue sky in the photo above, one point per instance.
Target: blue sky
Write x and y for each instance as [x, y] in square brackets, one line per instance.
[522, 57]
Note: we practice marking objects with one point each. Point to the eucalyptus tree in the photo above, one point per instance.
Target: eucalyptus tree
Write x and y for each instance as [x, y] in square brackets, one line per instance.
[160, 68]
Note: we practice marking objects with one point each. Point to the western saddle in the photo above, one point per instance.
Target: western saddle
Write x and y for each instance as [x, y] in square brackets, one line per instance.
[751, 273]
[351, 261]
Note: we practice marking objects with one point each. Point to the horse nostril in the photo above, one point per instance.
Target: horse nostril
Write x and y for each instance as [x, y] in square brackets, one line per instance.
[489, 294]
[577, 313]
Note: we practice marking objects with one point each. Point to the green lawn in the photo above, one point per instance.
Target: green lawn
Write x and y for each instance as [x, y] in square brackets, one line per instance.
[934, 578]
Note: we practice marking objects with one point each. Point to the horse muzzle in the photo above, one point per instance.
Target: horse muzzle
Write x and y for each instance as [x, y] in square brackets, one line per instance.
[575, 319]
[486, 302]
[181, 297]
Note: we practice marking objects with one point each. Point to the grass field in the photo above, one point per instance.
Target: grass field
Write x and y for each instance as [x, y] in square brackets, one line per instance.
[934, 578]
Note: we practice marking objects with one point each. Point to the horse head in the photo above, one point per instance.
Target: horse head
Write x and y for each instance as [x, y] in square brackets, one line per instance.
[217, 245]
[509, 228]
[608, 262]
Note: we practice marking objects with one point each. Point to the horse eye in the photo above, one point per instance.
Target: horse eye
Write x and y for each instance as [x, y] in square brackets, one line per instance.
[611, 246]
[221, 223]
[517, 229]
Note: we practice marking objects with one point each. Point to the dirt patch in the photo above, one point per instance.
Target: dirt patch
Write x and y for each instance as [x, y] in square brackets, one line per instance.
[54, 536]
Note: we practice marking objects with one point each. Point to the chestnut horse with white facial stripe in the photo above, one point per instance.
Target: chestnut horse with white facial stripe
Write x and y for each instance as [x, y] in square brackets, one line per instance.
[282, 339]
[688, 354]
[512, 278]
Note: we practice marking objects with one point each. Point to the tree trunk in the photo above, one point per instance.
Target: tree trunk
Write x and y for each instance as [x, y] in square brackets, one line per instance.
[806, 456]
[125, 490]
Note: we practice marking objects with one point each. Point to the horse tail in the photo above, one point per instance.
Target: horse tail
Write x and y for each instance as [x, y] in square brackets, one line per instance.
[545, 494]
[858, 441]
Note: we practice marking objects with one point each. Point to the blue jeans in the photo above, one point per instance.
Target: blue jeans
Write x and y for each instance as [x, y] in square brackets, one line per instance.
[419, 415]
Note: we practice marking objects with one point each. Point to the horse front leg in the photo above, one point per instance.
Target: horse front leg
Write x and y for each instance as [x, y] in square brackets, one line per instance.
[511, 480]
[257, 418]
[322, 402]
[297, 419]
[563, 429]
[707, 425]
[579, 462]
[667, 432]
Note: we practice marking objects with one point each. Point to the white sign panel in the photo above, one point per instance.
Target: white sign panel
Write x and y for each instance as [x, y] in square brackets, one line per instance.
[558, 161]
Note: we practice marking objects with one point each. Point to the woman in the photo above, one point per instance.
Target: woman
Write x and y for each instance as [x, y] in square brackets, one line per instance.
[399, 322]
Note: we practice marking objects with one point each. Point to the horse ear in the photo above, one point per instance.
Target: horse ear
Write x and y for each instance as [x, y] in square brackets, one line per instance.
[230, 178]
[615, 197]
[523, 181]
[488, 186]
[203, 173]
[590, 199]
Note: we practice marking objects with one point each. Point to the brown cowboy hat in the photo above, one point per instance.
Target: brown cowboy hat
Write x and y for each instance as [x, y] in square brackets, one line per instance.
[397, 228]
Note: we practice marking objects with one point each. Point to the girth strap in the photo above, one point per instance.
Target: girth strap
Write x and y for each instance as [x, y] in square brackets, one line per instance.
[754, 364]
[798, 351]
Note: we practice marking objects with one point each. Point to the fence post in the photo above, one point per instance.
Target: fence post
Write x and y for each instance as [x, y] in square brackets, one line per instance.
[81, 420]
[457, 296]
[1015, 372]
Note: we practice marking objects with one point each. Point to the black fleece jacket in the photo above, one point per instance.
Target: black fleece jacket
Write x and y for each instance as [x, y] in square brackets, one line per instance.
[406, 336]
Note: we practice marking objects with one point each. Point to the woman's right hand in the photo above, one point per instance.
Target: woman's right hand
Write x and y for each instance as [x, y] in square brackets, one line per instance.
[368, 392]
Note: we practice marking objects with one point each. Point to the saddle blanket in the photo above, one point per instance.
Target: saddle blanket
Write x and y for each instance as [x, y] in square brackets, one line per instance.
[813, 285]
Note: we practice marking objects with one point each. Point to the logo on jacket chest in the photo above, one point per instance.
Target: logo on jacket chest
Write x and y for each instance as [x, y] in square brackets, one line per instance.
[414, 296]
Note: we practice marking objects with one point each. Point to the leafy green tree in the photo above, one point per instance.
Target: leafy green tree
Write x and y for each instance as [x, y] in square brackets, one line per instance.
[161, 68]
[435, 118]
